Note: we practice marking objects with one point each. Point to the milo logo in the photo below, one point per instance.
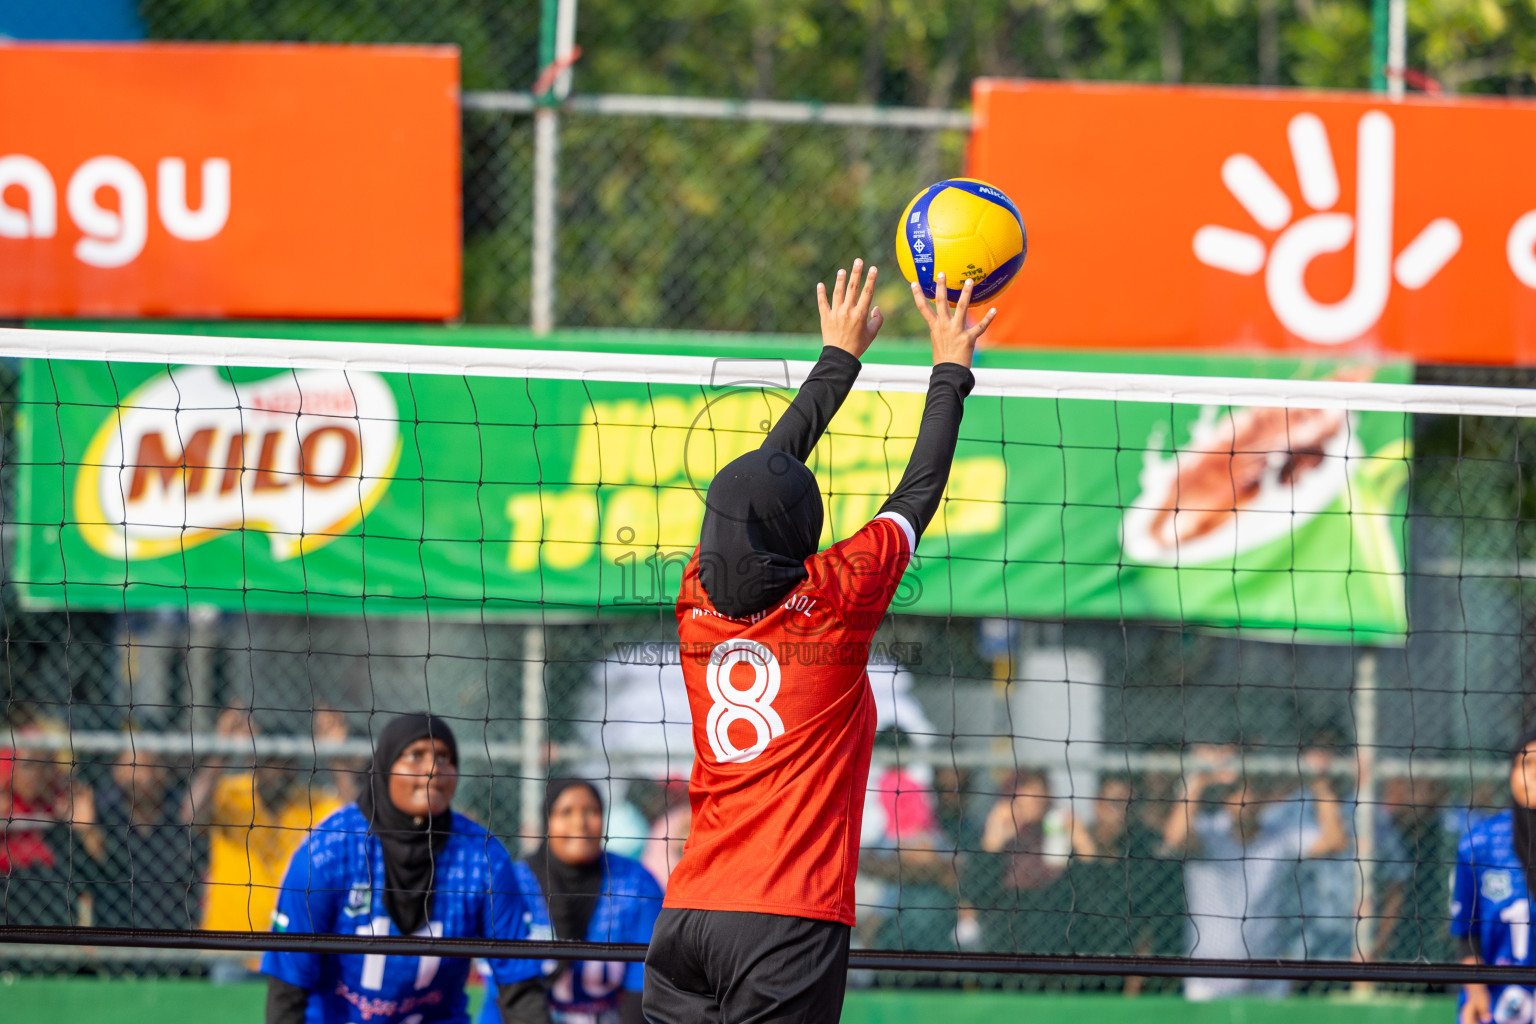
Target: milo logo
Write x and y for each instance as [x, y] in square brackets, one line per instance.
[191, 456]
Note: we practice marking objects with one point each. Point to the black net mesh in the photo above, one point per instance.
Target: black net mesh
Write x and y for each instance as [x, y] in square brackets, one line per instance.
[114, 717]
[1028, 771]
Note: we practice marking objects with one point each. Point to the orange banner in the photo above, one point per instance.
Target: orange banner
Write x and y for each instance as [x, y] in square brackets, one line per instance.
[224, 180]
[1164, 217]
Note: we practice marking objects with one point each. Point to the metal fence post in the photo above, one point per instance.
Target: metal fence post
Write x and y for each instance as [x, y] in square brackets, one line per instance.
[546, 143]
[557, 39]
[1365, 705]
[535, 713]
[1397, 47]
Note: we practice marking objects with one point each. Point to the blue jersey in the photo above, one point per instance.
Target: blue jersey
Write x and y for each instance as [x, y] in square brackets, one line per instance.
[1490, 902]
[587, 992]
[334, 885]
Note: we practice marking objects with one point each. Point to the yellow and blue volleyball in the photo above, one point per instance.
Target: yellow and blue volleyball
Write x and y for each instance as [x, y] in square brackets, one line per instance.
[963, 228]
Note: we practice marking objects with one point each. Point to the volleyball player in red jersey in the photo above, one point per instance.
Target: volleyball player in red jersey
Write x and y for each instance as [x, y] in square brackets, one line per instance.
[775, 639]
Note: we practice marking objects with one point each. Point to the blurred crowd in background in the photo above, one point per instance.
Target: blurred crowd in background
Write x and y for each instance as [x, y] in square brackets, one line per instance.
[1216, 863]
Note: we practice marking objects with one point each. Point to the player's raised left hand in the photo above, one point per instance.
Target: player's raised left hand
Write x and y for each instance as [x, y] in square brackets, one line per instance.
[954, 339]
[847, 321]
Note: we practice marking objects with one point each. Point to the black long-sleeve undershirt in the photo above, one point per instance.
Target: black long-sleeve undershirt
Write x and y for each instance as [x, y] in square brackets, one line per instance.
[817, 402]
[916, 498]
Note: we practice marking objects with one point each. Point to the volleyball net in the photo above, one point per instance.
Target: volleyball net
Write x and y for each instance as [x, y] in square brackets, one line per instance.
[1192, 676]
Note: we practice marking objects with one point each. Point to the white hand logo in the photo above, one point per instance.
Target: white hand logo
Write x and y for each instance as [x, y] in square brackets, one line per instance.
[1302, 241]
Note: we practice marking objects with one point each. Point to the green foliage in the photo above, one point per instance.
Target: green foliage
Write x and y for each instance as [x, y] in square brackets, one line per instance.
[901, 51]
[499, 41]
[1332, 45]
[923, 53]
[653, 235]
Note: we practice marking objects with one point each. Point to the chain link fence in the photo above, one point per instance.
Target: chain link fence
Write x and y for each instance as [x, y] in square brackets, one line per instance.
[677, 222]
[682, 222]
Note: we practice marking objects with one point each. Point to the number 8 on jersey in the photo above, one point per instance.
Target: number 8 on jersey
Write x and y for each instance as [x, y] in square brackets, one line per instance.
[754, 705]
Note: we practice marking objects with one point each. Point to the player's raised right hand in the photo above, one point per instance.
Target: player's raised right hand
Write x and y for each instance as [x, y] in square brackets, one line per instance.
[847, 321]
[953, 341]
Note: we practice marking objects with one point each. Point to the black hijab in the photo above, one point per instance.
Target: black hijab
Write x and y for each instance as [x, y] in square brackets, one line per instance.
[411, 844]
[1525, 817]
[762, 520]
[570, 890]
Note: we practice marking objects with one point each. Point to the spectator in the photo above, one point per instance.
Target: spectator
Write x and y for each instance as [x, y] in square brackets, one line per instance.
[347, 773]
[1491, 894]
[1127, 898]
[906, 876]
[1014, 881]
[1320, 911]
[629, 821]
[34, 799]
[254, 820]
[139, 863]
[1240, 848]
[400, 862]
[961, 812]
[1481, 804]
[669, 833]
[576, 892]
[1415, 890]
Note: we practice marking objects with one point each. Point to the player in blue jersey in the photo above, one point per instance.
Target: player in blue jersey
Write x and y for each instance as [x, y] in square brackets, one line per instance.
[575, 891]
[399, 862]
[1491, 897]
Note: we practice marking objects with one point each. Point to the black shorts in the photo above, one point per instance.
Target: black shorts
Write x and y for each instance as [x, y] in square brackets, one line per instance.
[731, 967]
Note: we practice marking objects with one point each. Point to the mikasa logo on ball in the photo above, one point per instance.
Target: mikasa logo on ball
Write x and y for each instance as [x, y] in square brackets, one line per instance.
[192, 456]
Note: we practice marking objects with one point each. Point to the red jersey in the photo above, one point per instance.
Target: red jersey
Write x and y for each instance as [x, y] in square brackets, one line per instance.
[23, 824]
[783, 726]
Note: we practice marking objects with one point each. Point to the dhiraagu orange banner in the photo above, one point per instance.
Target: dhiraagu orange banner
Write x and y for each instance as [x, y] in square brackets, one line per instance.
[232, 180]
[1244, 220]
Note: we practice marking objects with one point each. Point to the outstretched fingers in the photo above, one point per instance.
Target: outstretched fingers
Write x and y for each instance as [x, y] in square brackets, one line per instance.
[921, 302]
[873, 325]
[851, 294]
[821, 299]
[981, 326]
[867, 296]
[838, 288]
[964, 303]
[940, 294]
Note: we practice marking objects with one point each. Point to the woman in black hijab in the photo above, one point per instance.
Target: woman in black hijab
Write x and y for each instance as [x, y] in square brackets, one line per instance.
[409, 814]
[586, 895]
[760, 909]
[400, 862]
[1491, 892]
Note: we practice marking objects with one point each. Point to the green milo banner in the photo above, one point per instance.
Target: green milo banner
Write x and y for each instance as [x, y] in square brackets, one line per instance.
[333, 492]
